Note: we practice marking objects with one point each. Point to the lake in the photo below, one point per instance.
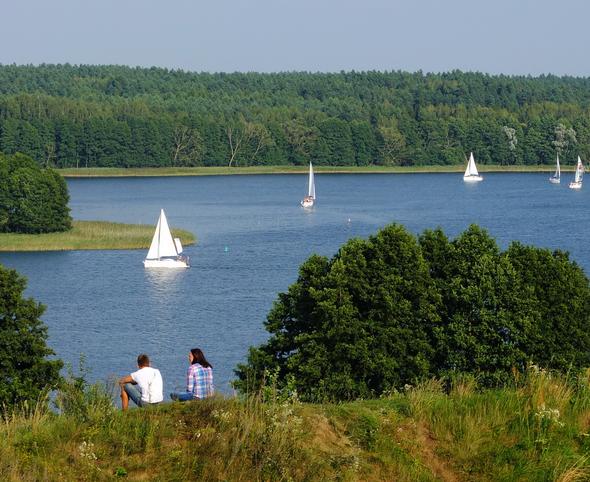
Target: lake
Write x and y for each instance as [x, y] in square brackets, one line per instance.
[252, 237]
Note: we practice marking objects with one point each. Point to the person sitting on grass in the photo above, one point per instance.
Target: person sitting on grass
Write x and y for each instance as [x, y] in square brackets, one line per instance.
[144, 387]
[199, 378]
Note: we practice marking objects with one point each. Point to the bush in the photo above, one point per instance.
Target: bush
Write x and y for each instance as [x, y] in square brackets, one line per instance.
[394, 310]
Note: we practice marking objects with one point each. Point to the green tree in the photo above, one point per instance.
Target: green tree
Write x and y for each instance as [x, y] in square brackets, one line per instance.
[391, 310]
[353, 326]
[33, 200]
[559, 295]
[485, 319]
[25, 370]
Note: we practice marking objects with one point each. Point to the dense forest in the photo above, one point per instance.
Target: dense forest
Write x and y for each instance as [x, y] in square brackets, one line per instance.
[87, 116]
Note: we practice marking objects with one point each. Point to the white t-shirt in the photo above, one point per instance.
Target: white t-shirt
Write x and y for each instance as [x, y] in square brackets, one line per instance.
[149, 381]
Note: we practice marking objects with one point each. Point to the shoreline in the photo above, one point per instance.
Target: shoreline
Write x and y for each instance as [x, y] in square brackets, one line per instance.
[88, 236]
[93, 172]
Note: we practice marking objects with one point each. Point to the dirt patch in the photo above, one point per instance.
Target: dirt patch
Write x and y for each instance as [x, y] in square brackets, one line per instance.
[423, 443]
[326, 439]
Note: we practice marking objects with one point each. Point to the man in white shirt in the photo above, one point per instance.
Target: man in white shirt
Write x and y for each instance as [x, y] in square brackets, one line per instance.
[144, 387]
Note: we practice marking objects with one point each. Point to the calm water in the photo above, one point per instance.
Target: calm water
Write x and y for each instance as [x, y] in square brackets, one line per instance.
[252, 237]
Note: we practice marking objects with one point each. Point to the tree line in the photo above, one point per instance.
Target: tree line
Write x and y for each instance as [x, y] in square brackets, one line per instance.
[396, 309]
[114, 116]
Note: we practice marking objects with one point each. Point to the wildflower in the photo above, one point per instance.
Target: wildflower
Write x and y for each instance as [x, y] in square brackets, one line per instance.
[86, 450]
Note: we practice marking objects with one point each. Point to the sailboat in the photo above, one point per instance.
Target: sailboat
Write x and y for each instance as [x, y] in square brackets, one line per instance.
[471, 174]
[555, 179]
[165, 252]
[577, 182]
[309, 200]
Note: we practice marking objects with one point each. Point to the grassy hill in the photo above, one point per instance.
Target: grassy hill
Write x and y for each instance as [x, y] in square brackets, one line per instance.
[536, 430]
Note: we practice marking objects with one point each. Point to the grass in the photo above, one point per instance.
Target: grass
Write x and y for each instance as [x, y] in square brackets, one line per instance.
[535, 430]
[89, 235]
[218, 171]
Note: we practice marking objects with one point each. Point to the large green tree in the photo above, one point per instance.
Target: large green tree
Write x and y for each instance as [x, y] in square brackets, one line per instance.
[32, 199]
[25, 369]
[353, 326]
[394, 309]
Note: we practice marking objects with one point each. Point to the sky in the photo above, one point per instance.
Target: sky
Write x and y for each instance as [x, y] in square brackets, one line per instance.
[515, 37]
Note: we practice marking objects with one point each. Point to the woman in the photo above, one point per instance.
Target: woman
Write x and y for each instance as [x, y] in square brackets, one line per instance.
[199, 378]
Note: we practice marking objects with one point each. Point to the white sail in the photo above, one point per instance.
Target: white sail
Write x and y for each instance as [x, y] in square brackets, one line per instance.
[579, 171]
[311, 188]
[555, 179]
[154, 247]
[178, 245]
[162, 242]
[471, 168]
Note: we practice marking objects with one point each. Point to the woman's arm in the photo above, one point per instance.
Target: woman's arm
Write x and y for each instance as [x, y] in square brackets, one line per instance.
[190, 380]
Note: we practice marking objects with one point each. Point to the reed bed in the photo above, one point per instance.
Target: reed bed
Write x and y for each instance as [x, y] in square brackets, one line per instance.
[223, 170]
[89, 235]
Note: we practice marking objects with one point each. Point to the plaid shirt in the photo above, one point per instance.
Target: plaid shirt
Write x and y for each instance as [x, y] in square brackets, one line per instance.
[199, 381]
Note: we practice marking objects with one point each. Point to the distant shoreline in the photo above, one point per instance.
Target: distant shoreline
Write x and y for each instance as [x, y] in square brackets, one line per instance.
[254, 170]
[89, 235]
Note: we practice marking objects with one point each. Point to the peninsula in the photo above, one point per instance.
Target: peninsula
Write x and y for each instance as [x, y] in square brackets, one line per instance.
[89, 235]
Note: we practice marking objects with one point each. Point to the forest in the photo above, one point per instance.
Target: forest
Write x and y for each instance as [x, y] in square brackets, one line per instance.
[117, 116]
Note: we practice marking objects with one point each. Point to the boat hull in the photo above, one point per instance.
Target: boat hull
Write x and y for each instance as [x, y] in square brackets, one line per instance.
[166, 263]
[554, 180]
[575, 185]
[307, 203]
[472, 178]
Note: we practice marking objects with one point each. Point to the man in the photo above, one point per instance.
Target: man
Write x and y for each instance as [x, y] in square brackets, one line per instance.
[144, 386]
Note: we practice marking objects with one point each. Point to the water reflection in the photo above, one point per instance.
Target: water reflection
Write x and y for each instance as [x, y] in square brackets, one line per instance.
[163, 283]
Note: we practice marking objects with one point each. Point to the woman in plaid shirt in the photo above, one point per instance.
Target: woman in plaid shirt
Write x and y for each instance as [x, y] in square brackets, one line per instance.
[199, 378]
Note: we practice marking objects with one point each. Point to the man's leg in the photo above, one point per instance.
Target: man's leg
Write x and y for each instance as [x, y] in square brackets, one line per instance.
[130, 391]
[124, 398]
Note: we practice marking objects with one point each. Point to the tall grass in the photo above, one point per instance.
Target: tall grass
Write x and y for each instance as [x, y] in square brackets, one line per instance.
[538, 429]
[223, 170]
[89, 235]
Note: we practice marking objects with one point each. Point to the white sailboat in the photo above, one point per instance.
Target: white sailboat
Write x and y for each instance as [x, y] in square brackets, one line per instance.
[165, 252]
[577, 182]
[471, 174]
[555, 179]
[309, 200]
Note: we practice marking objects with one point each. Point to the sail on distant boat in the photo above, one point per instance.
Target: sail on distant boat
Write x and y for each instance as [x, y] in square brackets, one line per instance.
[556, 178]
[471, 174]
[577, 182]
[165, 252]
[308, 201]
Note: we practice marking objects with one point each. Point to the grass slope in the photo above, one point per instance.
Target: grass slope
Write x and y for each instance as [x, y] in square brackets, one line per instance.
[534, 431]
[89, 235]
[217, 171]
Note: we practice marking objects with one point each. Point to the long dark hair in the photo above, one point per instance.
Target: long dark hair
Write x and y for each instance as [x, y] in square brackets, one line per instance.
[199, 357]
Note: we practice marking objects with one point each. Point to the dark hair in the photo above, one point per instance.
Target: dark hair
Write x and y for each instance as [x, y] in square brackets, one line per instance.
[199, 357]
[143, 360]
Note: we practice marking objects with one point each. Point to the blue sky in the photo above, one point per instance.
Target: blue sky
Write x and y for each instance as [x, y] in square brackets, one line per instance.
[500, 36]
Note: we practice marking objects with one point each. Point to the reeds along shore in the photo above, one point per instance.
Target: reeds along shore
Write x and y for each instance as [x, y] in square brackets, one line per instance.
[89, 235]
[537, 429]
[219, 171]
